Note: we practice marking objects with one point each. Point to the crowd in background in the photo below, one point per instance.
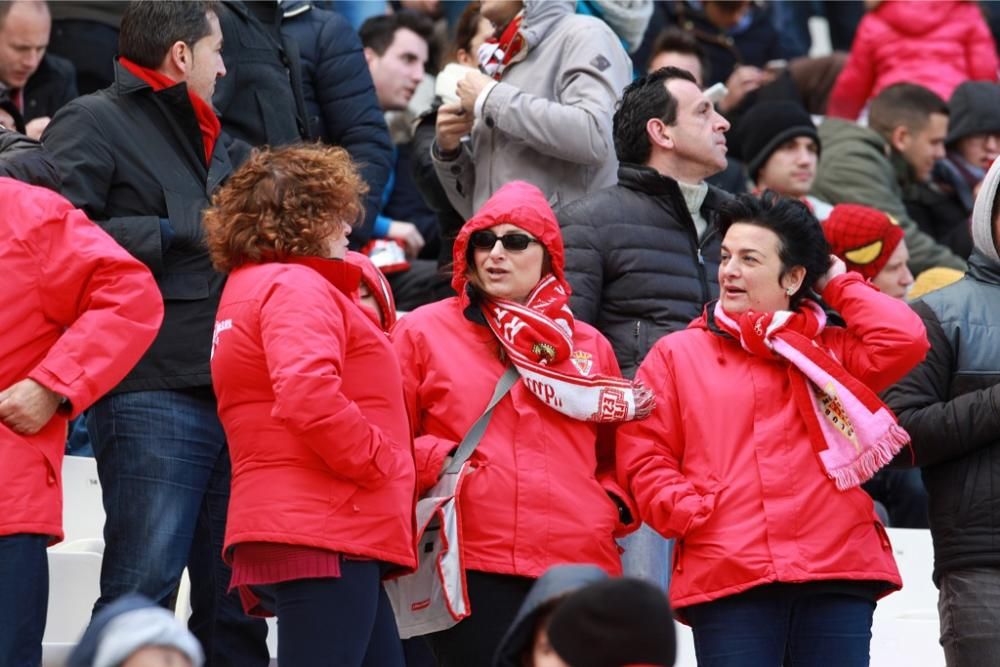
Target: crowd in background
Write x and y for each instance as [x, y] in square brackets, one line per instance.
[733, 304]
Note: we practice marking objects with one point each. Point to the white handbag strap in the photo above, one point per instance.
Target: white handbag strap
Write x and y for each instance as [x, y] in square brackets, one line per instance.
[472, 438]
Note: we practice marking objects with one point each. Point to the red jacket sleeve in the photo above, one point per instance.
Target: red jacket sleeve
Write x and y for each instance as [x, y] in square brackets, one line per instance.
[884, 338]
[856, 81]
[649, 453]
[106, 299]
[303, 332]
[429, 451]
[980, 50]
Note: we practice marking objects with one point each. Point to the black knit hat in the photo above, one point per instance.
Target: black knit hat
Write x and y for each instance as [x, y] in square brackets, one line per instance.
[766, 126]
[974, 109]
[614, 623]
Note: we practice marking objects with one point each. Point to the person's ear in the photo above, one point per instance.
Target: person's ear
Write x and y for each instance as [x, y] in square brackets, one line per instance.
[370, 55]
[900, 138]
[659, 133]
[793, 278]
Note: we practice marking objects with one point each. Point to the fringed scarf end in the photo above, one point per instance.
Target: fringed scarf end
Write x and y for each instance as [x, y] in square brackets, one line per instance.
[871, 460]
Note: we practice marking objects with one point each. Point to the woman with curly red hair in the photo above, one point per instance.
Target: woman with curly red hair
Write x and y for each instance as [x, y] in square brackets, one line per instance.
[310, 395]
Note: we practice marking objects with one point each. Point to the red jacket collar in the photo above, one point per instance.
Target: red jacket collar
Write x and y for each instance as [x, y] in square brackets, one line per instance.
[344, 276]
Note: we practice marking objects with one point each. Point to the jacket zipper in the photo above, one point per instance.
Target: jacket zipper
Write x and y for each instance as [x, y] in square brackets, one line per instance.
[702, 272]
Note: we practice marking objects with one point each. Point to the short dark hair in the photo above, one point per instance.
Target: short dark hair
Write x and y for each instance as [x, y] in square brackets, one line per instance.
[646, 97]
[800, 236]
[906, 104]
[378, 32]
[150, 27]
[675, 40]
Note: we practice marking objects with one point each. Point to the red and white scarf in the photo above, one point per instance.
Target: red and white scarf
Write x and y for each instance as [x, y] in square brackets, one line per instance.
[497, 54]
[851, 430]
[538, 339]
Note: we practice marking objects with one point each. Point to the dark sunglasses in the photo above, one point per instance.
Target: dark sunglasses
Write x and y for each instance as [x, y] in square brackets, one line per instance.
[485, 240]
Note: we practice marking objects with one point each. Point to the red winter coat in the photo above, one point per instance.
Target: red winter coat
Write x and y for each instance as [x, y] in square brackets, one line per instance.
[539, 494]
[725, 465]
[79, 312]
[935, 44]
[309, 393]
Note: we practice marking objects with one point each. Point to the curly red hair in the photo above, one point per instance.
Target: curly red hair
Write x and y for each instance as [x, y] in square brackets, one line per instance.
[283, 202]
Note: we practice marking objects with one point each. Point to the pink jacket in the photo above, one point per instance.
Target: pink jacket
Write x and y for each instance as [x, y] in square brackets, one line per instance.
[79, 312]
[937, 44]
[725, 466]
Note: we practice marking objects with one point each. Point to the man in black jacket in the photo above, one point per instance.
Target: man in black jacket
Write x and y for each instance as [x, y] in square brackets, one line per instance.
[142, 159]
[950, 405]
[642, 256]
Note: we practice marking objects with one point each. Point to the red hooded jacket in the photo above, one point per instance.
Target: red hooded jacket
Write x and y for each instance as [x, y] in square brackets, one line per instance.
[539, 494]
[309, 393]
[936, 44]
[79, 313]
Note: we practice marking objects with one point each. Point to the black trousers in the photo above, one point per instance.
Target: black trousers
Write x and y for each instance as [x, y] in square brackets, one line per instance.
[494, 599]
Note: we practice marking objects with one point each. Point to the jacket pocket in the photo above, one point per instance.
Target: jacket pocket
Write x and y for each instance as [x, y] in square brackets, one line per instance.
[184, 213]
[677, 561]
[184, 286]
[883, 536]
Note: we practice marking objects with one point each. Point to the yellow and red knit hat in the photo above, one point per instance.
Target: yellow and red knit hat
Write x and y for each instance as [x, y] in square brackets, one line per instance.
[862, 236]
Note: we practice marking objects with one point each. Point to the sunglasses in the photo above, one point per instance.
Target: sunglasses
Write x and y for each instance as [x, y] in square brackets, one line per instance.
[486, 240]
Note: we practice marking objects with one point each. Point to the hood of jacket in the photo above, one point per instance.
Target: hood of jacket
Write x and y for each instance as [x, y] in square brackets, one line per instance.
[520, 204]
[558, 582]
[982, 216]
[915, 17]
[540, 16]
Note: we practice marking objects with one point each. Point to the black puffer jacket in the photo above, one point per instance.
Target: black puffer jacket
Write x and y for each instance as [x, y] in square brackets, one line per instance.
[950, 405]
[340, 99]
[633, 259]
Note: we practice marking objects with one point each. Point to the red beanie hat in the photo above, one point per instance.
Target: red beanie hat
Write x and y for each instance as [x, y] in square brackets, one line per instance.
[863, 237]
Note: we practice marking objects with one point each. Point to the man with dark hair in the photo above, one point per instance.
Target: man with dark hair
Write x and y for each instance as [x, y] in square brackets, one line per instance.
[33, 84]
[541, 113]
[872, 165]
[142, 158]
[642, 256]
[396, 47]
[943, 207]
[676, 48]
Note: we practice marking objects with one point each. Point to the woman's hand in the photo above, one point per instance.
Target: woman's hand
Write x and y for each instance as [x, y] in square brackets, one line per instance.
[837, 267]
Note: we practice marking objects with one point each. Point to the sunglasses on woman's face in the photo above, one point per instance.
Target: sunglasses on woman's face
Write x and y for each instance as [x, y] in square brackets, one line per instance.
[486, 240]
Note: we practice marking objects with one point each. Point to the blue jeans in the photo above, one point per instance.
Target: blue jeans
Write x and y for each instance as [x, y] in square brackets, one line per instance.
[783, 624]
[24, 598]
[164, 470]
[647, 556]
[344, 621]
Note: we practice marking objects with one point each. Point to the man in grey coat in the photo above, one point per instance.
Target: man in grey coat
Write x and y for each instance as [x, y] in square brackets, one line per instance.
[542, 115]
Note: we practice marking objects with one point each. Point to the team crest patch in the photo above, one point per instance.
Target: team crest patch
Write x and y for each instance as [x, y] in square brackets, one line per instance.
[544, 350]
[835, 413]
[584, 361]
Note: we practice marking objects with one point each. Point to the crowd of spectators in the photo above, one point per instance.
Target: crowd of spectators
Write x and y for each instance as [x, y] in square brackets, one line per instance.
[557, 187]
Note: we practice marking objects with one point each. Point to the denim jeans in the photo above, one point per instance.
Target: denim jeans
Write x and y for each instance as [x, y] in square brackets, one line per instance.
[647, 556]
[344, 621]
[164, 470]
[784, 624]
[24, 598]
[969, 609]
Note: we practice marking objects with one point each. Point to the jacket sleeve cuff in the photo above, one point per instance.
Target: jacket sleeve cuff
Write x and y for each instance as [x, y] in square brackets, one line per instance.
[430, 455]
[381, 227]
[481, 99]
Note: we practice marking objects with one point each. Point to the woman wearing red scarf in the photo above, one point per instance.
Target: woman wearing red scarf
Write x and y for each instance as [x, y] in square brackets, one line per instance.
[543, 490]
[767, 422]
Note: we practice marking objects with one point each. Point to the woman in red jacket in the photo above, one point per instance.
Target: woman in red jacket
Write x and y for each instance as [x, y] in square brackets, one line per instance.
[310, 396]
[767, 422]
[543, 490]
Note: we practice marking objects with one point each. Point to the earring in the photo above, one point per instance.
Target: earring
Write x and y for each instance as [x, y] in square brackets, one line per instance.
[790, 291]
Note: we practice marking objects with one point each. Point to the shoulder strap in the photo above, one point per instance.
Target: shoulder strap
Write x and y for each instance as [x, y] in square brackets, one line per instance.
[471, 439]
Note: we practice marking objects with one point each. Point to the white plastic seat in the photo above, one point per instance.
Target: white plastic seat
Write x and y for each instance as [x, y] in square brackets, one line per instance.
[83, 508]
[74, 586]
